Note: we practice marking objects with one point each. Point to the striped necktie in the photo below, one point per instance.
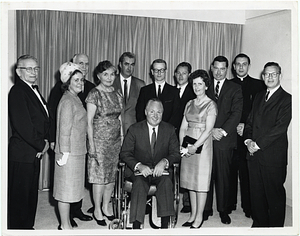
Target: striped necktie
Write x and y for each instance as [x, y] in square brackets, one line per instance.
[217, 90]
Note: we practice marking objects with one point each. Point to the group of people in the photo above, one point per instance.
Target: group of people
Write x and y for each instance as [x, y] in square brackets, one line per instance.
[217, 129]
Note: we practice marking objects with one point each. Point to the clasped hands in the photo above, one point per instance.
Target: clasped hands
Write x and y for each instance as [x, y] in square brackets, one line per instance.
[156, 172]
[188, 151]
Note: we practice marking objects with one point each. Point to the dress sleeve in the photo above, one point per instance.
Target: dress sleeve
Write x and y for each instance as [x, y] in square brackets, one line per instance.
[186, 107]
[212, 109]
[92, 97]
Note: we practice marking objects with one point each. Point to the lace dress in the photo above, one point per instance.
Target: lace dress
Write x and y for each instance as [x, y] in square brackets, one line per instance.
[107, 135]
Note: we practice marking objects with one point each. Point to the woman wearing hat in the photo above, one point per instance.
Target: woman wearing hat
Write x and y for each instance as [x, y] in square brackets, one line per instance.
[70, 149]
[104, 106]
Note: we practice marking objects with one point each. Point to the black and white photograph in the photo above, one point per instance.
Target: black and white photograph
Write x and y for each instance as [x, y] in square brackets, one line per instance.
[159, 117]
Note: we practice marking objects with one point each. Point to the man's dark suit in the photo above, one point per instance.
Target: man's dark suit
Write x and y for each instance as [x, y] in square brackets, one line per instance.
[230, 104]
[54, 98]
[30, 125]
[169, 98]
[128, 114]
[136, 148]
[187, 95]
[250, 87]
[267, 125]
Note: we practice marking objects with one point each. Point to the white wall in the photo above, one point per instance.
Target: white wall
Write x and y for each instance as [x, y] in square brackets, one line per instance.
[268, 38]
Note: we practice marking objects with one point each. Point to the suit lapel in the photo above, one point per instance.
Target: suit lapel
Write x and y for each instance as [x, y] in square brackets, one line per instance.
[34, 97]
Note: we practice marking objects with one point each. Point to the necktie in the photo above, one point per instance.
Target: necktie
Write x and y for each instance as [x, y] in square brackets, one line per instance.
[159, 91]
[217, 90]
[179, 89]
[125, 91]
[267, 95]
[153, 141]
[37, 89]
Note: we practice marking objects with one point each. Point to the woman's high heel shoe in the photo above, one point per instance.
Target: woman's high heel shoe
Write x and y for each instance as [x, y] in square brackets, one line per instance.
[192, 227]
[110, 218]
[188, 224]
[100, 222]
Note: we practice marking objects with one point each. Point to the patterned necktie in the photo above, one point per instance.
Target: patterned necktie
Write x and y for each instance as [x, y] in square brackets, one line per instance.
[159, 91]
[37, 89]
[267, 95]
[125, 91]
[217, 90]
[153, 141]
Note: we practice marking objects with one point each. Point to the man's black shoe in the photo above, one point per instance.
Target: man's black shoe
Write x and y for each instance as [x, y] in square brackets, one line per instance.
[82, 216]
[73, 223]
[225, 219]
[206, 214]
[136, 225]
[185, 209]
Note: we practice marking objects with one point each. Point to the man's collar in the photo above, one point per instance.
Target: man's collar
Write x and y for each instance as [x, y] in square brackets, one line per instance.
[241, 78]
[122, 78]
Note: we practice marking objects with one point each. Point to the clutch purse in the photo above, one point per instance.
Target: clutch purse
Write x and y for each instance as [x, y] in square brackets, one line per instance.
[189, 140]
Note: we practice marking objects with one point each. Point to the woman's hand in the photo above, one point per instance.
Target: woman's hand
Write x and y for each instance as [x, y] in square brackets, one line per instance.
[192, 149]
[63, 159]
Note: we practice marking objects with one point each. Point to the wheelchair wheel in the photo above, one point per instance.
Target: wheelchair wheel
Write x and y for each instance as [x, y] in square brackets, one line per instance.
[115, 224]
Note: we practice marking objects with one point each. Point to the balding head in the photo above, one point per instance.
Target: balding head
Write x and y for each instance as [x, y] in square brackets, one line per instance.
[83, 61]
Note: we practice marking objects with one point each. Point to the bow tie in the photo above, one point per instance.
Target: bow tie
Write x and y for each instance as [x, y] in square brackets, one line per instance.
[35, 87]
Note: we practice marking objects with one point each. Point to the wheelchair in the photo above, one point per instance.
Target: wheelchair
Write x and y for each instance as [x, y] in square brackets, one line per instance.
[121, 201]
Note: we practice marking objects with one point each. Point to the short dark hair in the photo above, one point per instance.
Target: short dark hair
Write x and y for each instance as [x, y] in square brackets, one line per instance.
[220, 59]
[102, 66]
[202, 74]
[25, 57]
[184, 64]
[65, 85]
[127, 54]
[159, 61]
[272, 63]
[242, 55]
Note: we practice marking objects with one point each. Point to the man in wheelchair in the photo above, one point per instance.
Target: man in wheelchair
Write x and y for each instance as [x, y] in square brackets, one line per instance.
[150, 148]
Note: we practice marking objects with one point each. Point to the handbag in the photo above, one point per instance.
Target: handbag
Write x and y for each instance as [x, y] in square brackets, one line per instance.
[189, 140]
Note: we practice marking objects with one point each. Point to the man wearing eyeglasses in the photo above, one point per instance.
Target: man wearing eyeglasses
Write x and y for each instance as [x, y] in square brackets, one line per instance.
[30, 121]
[167, 93]
[266, 140]
[56, 93]
[250, 87]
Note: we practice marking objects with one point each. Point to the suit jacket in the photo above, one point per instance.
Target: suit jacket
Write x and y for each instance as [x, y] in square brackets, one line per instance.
[169, 98]
[136, 146]
[187, 95]
[230, 105]
[128, 114]
[250, 87]
[267, 125]
[56, 94]
[30, 123]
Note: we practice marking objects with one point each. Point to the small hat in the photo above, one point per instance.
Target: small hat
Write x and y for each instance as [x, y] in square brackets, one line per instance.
[66, 70]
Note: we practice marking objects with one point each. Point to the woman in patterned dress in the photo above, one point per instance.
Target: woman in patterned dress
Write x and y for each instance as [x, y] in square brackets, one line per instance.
[198, 122]
[104, 106]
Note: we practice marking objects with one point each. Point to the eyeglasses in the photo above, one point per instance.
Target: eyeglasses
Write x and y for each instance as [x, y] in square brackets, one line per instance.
[156, 71]
[273, 75]
[30, 69]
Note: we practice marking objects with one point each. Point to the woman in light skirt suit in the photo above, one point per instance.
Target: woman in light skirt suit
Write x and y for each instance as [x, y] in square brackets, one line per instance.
[70, 149]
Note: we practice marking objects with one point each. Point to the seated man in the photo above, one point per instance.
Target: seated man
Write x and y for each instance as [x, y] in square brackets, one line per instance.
[150, 147]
